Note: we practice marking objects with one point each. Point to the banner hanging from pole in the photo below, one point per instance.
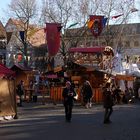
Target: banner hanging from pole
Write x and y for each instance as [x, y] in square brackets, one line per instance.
[53, 37]
[96, 24]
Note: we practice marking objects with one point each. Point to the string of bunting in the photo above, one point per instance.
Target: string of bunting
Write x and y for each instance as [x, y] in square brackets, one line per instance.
[132, 11]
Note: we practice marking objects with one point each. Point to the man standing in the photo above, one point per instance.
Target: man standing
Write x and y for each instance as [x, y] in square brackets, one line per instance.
[68, 95]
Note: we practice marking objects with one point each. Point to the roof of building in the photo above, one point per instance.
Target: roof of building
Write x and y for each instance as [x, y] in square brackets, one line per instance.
[2, 31]
[4, 71]
[37, 37]
[20, 67]
[36, 34]
[127, 29]
[96, 49]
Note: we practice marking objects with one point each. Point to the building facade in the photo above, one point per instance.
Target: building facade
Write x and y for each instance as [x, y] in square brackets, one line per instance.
[36, 45]
[3, 42]
[124, 39]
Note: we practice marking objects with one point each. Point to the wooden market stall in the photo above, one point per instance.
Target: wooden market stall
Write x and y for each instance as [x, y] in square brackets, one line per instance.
[26, 75]
[128, 81]
[84, 64]
[22, 73]
[89, 62]
[95, 77]
[56, 84]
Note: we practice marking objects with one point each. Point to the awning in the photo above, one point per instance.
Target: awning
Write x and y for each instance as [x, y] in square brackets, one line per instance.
[98, 49]
[4, 71]
[57, 69]
[20, 67]
[52, 76]
[124, 77]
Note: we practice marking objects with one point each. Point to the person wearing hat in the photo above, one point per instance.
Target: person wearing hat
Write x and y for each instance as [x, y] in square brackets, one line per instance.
[68, 96]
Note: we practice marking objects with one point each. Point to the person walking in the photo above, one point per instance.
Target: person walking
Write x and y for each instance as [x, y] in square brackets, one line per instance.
[36, 91]
[87, 94]
[20, 92]
[108, 103]
[68, 96]
[31, 83]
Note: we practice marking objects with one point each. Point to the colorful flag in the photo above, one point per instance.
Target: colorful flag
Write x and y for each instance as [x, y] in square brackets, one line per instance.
[22, 33]
[134, 10]
[73, 25]
[53, 37]
[90, 23]
[96, 24]
[117, 16]
[104, 20]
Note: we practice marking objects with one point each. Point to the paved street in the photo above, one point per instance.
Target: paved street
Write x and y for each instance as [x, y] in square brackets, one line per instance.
[46, 122]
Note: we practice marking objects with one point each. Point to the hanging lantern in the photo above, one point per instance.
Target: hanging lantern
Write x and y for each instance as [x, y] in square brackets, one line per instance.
[19, 58]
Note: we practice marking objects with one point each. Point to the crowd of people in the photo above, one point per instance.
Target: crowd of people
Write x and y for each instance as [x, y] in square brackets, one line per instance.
[112, 95]
[34, 87]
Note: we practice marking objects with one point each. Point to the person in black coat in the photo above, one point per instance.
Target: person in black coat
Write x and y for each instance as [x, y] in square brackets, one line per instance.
[68, 95]
[87, 94]
[108, 103]
[20, 91]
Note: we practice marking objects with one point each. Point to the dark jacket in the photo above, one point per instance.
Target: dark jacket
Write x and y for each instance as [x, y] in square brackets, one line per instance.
[108, 99]
[87, 91]
[68, 95]
[20, 90]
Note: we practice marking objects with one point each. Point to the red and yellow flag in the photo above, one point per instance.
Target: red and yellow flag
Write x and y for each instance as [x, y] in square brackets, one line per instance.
[90, 23]
[95, 24]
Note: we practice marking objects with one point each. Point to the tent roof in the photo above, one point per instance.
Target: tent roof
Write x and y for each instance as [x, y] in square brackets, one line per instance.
[97, 49]
[4, 71]
[52, 76]
[16, 66]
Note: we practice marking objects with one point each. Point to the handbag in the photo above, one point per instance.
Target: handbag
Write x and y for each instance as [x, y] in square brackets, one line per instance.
[76, 97]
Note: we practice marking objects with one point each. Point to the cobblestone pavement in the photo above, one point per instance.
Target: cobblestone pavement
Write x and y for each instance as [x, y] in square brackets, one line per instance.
[46, 122]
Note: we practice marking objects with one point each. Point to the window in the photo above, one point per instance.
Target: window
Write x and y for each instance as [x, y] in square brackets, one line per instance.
[103, 43]
[136, 43]
[127, 44]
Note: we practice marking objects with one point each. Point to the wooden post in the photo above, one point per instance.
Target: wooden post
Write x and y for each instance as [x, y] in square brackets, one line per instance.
[15, 102]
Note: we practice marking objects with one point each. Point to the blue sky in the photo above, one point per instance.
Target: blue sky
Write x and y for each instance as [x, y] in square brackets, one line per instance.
[3, 5]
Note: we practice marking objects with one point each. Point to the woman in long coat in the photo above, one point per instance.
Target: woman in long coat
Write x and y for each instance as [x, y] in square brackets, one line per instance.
[87, 94]
[108, 103]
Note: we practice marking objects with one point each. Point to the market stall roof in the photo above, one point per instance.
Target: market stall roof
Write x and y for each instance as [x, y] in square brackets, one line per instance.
[20, 67]
[4, 71]
[97, 49]
[52, 76]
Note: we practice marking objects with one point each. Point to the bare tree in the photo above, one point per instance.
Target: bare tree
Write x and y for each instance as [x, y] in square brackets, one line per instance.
[60, 11]
[121, 11]
[24, 11]
[78, 11]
